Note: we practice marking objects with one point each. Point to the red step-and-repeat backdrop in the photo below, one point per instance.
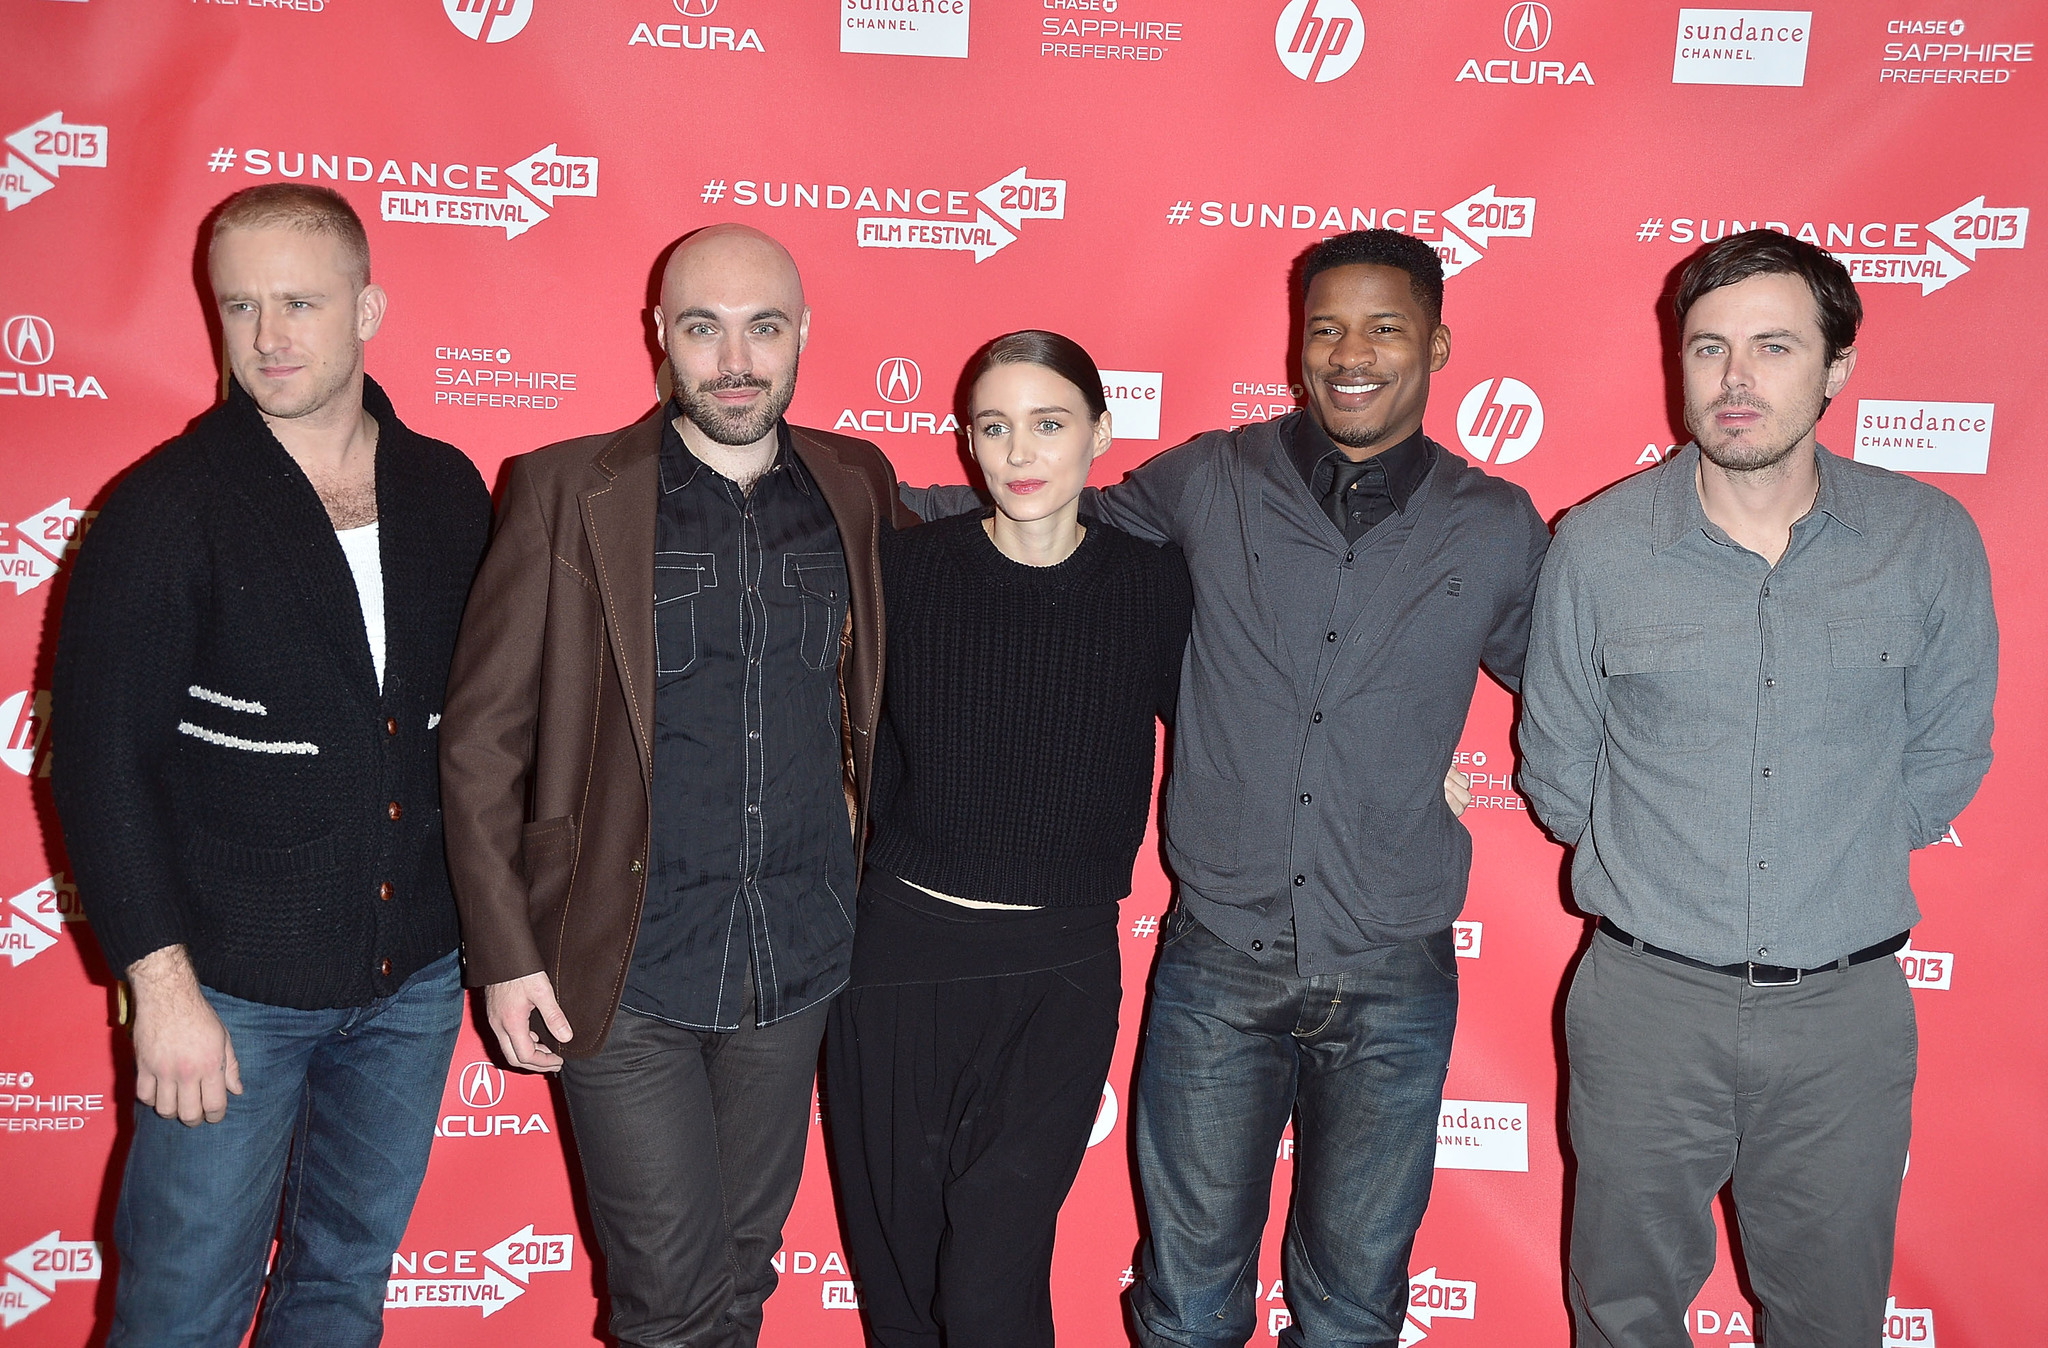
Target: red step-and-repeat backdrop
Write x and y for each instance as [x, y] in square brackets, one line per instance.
[1138, 174]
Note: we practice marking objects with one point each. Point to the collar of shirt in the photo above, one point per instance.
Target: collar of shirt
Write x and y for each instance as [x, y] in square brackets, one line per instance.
[1314, 454]
[679, 467]
[1676, 511]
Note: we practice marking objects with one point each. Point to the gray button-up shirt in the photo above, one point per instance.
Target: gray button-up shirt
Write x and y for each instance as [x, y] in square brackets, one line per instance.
[1742, 754]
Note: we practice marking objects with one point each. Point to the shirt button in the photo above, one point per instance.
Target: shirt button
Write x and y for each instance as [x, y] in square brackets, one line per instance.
[385, 891]
[753, 809]
[1770, 683]
[1767, 592]
[1884, 658]
[753, 734]
[1763, 950]
[384, 967]
[1306, 798]
[391, 725]
[1763, 865]
[1258, 946]
[1301, 879]
[1331, 636]
[1767, 772]
[1317, 718]
[1347, 556]
[393, 811]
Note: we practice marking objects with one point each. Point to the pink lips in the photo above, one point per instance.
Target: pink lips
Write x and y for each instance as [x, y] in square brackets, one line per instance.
[1024, 486]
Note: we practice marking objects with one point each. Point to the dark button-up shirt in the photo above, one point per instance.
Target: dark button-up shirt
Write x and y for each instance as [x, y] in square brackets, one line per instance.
[751, 860]
[1744, 754]
[1390, 478]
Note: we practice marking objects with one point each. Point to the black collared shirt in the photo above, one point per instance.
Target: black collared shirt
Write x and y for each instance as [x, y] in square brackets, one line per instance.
[1391, 476]
[751, 863]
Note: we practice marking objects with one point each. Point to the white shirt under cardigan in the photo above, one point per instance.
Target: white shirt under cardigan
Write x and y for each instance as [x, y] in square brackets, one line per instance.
[360, 547]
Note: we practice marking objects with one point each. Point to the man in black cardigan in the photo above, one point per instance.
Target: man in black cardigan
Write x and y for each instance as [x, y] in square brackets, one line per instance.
[250, 671]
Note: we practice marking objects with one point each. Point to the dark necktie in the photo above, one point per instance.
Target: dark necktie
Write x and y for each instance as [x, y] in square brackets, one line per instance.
[1340, 502]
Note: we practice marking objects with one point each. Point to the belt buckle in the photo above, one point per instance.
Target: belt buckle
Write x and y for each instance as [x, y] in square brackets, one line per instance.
[1798, 975]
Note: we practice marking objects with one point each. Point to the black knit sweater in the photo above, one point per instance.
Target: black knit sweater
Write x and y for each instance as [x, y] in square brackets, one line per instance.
[1016, 750]
[228, 773]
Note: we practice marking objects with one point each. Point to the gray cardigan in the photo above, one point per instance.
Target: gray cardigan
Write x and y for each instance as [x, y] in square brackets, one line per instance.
[1325, 687]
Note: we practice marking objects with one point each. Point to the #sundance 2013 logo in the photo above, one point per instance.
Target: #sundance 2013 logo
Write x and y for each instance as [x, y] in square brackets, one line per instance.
[1461, 234]
[931, 219]
[455, 1280]
[1877, 252]
[41, 150]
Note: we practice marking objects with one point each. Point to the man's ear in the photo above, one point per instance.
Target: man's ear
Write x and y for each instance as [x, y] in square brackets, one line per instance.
[371, 302]
[1839, 372]
[1439, 348]
[803, 330]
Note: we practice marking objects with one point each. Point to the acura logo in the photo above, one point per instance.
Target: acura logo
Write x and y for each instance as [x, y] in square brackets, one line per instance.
[29, 339]
[696, 9]
[1528, 26]
[483, 1085]
[898, 379]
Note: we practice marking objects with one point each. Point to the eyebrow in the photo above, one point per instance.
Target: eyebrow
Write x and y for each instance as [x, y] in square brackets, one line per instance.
[1034, 411]
[1776, 334]
[1336, 318]
[706, 313]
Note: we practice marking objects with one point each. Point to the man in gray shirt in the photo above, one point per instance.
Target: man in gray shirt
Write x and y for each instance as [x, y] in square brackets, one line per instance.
[1351, 578]
[1759, 675]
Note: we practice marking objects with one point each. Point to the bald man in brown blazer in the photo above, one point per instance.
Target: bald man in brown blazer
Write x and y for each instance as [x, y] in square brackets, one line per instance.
[656, 752]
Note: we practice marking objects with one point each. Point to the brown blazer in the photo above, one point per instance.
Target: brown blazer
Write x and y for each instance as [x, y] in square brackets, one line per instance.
[546, 731]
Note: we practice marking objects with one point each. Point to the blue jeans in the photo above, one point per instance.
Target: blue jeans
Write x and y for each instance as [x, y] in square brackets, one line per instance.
[1232, 1048]
[337, 1116]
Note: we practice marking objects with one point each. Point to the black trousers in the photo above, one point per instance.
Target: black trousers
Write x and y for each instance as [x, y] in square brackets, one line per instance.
[963, 1070]
[692, 1143]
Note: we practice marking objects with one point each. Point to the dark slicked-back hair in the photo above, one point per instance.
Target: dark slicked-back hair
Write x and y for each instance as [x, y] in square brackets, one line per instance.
[1382, 248]
[1064, 356]
[300, 206]
[1766, 252]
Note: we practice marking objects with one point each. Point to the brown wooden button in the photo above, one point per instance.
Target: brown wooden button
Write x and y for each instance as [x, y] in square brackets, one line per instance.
[385, 891]
[391, 725]
[384, 967]
[393, 811]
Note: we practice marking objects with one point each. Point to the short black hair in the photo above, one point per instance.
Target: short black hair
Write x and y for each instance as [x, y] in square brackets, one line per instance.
[1766, 252]
[1064, 356]
[1382, 248]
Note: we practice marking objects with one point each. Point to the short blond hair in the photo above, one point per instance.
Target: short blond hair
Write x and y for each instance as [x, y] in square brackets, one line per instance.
[300, 206]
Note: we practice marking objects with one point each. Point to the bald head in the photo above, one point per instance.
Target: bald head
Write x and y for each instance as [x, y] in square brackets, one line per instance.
[723, 260]
[733, 322]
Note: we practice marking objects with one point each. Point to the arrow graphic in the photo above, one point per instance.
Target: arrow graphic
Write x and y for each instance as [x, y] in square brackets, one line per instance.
[1974, 225]
[489, 1292]
[40, 901]
[21, 941]
[18, 1301]
[546, 174]
[984, 238]
[53, 143]
[1932, 270]
[513, 213]
[1412, 1333]
[1457, 253]
[1430, 1296]
[20, 183]
[53, 1259]
[1016, 197]
[523, 1254]
[1484, 217]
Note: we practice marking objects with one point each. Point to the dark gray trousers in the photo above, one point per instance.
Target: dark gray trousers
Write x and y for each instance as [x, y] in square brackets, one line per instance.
[692, 1144]
[1681, 1079]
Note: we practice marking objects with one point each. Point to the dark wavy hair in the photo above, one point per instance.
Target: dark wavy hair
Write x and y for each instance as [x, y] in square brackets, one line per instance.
[1766, 252]
[1064, 356]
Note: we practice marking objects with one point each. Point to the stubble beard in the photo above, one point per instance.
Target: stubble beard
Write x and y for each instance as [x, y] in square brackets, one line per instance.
[732, 428]
[1746, 453]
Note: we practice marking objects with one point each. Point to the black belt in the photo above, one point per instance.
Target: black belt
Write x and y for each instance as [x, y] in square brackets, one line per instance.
[1760, 975]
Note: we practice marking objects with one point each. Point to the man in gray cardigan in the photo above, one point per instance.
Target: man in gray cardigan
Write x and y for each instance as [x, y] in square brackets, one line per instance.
[1759, 676]
[1351, 577]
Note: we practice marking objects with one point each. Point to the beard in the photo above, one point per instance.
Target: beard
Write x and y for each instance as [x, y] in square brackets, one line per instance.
[736, 427]
[1765, 446]
[326, 381]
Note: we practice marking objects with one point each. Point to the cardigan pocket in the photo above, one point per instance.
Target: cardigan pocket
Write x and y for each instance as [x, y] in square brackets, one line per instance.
[288, 901]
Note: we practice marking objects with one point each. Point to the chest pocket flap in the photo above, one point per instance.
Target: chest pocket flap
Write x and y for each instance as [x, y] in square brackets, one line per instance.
[1663, 649]
[679, 577]
[820, 577]
[1887, 642]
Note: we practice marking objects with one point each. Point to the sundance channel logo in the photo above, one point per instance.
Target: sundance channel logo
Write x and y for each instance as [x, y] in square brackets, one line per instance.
[1742, 46]
[1483, 1135]
[1924, 437]
[904, 27]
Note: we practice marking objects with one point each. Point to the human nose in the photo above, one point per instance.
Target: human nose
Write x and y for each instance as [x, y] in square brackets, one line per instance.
[734, 356]
[1354, 351]
[270, 334]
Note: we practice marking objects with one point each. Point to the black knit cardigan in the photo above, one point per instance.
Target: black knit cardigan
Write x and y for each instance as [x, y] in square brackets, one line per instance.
[227, 772]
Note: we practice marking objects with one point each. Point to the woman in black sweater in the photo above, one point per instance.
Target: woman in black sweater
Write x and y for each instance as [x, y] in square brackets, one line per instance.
[1029, 652]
